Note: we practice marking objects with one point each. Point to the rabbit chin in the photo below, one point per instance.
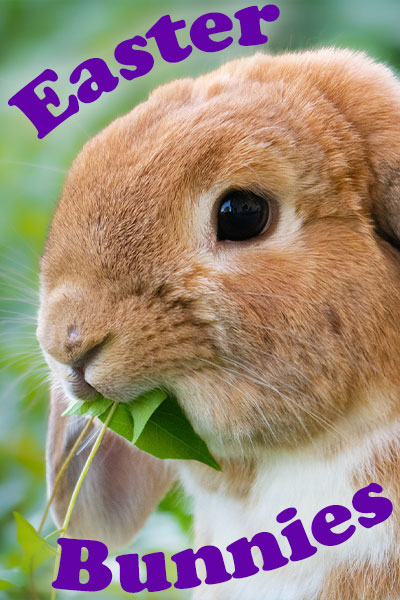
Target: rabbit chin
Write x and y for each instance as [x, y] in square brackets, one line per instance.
[239, 420]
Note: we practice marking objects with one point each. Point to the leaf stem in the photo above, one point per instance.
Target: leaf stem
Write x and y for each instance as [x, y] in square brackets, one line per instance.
[53, 533]
[78, 487]
[33, 591]
[62, 471]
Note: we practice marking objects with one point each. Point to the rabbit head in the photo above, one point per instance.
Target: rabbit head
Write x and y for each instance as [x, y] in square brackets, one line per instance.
[235, 240]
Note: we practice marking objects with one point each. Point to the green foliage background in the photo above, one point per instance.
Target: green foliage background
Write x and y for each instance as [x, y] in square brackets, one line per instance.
[59, 34]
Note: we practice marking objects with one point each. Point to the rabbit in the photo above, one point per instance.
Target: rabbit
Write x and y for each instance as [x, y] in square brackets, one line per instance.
[235, 240]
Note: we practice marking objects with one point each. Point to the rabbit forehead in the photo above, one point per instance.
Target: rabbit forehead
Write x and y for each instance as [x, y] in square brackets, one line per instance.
[275, 122]
[143, 175]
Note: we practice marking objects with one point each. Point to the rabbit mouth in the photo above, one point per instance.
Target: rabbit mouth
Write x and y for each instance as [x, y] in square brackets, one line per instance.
[79, 387]
[80, 384]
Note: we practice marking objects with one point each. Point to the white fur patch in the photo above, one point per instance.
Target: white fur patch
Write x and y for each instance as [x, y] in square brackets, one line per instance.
[309, 483]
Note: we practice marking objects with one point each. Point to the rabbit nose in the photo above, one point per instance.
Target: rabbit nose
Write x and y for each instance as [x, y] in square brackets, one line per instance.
[71, 344]
[79, 349]
[80, 352]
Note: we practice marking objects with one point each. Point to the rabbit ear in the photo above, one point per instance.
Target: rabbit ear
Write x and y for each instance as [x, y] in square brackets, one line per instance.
[121, 489]
[386, 210]
[373, 106]
[368, 95]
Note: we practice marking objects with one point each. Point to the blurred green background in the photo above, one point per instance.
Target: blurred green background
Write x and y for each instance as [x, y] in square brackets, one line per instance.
[57, 34]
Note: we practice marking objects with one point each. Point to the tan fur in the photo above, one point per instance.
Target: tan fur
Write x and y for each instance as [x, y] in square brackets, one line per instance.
[271, 342]
[366, 582]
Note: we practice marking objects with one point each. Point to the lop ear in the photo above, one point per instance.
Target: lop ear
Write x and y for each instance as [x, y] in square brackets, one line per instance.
[121, 489]
[386, 210]
[373, 105]
[368, 95]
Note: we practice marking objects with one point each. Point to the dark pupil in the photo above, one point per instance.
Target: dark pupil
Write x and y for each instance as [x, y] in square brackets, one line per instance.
[242, 215]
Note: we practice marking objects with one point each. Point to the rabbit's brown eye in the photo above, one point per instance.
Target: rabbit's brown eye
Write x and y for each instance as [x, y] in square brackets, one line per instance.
[242, 215]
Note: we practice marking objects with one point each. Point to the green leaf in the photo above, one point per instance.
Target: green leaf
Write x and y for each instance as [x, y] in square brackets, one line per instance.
[94, 408]
[178, 504]
[36, 550]
[14, 577]
[122, 422]
[5, 585]
[154, 422]
[168, 434]
[75, 408]
[142, 408]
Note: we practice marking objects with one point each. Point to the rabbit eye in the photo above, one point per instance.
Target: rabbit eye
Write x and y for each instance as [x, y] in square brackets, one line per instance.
[242, 215]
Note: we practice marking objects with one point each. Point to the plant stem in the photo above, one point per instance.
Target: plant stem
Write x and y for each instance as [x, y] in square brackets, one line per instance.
[33, 592]
[62, 471]
[78, 487]
[52, 534]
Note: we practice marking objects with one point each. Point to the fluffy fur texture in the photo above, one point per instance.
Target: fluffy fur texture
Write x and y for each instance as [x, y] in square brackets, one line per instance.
[283, 350]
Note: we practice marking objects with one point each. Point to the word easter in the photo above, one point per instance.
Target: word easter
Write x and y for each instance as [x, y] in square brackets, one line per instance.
[126, 53]
[323, 524]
